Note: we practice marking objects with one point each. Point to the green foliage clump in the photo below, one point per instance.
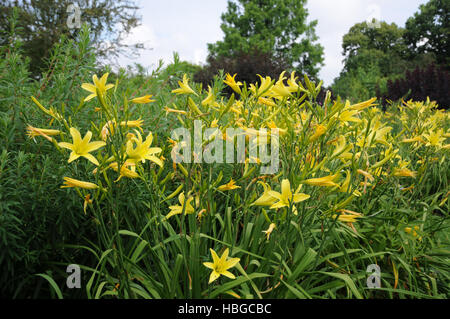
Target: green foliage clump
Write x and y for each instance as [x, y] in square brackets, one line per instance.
[420, 84]
[247, 65]
[36, 220]
[277, 27]
[428, 31]
[41, 24]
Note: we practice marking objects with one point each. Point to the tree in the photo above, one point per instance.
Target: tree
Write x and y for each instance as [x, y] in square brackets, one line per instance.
[41, 23]
[372, 56]
[428, 31]
[272, 26]
[383, 46]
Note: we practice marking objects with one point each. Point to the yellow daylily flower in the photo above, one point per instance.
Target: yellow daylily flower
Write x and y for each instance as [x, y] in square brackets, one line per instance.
[342, 148]
[71, 182]
[377, 134]
[363, 105]
[293, 86]
[326, 181]
[344, 188]
[99, 85]
[134, 123]
[215, 123]
[231, 82]
[82, 147]
[87, 201]
[320, 130]
[266, 101]
[228, 186]
[279, 90]
[286, 198]
[124, 170]
[404, 172]
[272, 125]
[380, 135]
[210, 99]
[266, 199]
[349, 116]
[176, 209]
[143, 99]
[264, 88]
[169, 110]
[347, 216]
[414, 139]
[434, 138]
[34, 131]
[184, 87]
[142, 151]
[252, 88]
[269, 230]
[221, 265]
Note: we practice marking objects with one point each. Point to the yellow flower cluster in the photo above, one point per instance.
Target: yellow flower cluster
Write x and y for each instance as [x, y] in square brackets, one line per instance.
[131, 154]
[331, 152]
[337, 148]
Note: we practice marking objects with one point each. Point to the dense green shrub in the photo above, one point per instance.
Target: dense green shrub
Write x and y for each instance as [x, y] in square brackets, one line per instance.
[432, 81]
[36, 220]
[246, 65]
[359, 84]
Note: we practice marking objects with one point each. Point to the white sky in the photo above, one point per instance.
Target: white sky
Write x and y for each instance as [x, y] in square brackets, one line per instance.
[186, 26]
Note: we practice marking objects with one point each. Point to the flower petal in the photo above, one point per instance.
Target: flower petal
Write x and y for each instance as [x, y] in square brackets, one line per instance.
[214, 256]
[76, 136]
[91, 158]
[73, 156]
[94, 146]
[232, 262]
[66, 145]
[286, 190]
[214, 275]
[229, 274]
[209, 265]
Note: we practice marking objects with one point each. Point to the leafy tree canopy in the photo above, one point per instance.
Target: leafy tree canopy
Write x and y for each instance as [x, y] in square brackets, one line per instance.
[428, 31]
[383, 45]
[275, 26]
[42, 23]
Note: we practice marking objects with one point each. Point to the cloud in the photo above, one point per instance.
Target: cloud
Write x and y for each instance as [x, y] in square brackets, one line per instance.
[335, 18]
[199, 56]
[142, 34]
